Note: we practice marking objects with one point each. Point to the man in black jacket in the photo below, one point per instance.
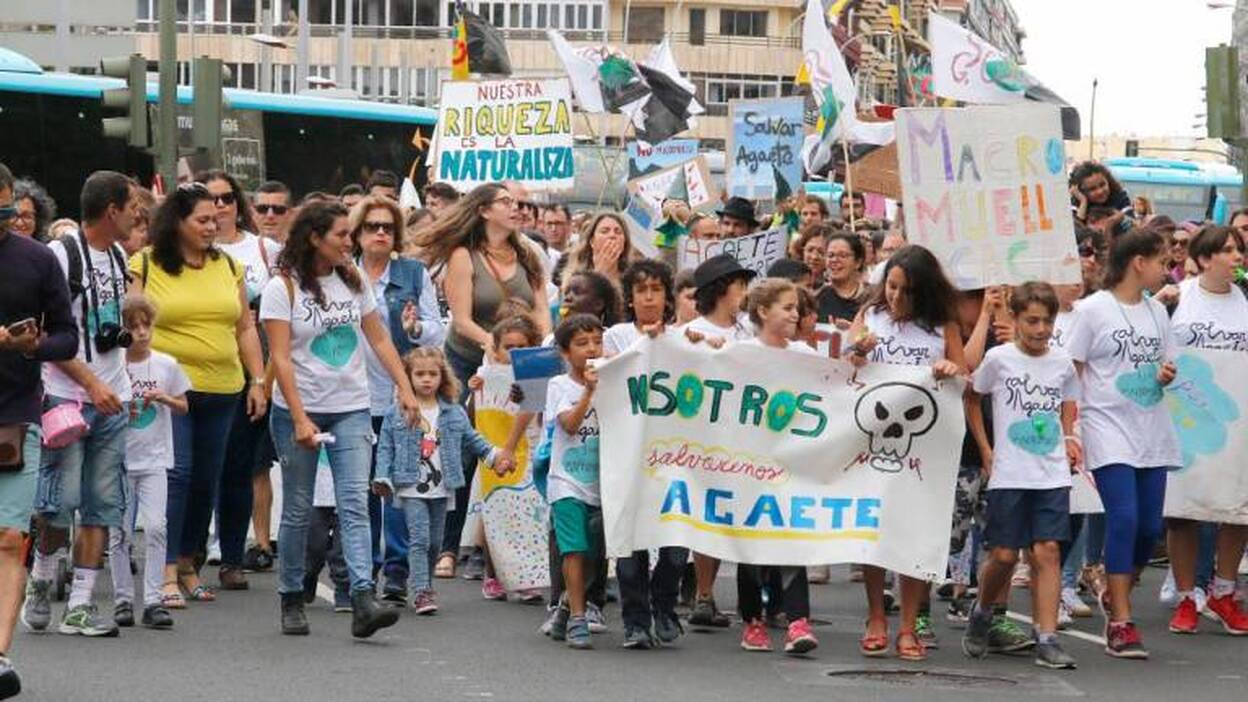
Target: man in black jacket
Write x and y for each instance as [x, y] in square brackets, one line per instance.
[35, 325]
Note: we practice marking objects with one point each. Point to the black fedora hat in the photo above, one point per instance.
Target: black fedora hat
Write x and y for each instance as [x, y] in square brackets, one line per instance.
[721, 266]
[740, 208]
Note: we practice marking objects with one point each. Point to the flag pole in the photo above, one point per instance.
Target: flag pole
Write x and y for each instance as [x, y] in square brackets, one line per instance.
[849, 183]
[602, 190]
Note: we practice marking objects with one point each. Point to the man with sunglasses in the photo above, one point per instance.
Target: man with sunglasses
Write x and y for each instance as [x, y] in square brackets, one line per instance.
[274, 211]
[35, 325]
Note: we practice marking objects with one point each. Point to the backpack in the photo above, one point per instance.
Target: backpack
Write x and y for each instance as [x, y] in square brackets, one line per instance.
[73, 254]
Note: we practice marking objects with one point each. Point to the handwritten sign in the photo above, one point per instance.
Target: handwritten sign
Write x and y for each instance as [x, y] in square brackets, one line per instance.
[689, 181]
[758, 455]
[765, 146]
[985, 190]
[755, 251]
[516, 129]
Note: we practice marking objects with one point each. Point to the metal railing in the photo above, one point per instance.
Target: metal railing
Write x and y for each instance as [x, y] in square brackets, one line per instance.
[708, 39]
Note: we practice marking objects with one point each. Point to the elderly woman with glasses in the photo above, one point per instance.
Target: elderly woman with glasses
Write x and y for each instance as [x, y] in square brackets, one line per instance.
[407, 304]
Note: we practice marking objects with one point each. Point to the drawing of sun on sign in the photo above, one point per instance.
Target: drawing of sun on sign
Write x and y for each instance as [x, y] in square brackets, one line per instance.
[892, 415]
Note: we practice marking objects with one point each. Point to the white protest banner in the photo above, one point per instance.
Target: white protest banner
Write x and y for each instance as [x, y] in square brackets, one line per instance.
[763, 456]
[965, 67]
[753, 251]
[1208, 402]
[985, 190]
[515, 129]
[514, 513]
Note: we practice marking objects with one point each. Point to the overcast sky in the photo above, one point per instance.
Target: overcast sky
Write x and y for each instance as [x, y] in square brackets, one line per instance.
[1148, 55]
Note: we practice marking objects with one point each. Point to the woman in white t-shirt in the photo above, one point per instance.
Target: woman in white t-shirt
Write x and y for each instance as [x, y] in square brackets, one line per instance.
[1212, 314]
[319, 313]
[909, 322]
[1123, 347]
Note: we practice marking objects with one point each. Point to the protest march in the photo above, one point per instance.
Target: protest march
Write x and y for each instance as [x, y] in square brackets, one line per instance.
[908, 339]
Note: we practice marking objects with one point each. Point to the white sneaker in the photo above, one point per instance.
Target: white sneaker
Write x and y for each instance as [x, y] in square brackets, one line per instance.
[1169, 594]
[593, 616]
[1202, 598]
[1073, 604]
[1022, 576]
[1063, 616]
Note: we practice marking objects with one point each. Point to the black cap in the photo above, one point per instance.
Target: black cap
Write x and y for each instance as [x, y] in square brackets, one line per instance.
[740, 208]
[721, 266]
[789, 269]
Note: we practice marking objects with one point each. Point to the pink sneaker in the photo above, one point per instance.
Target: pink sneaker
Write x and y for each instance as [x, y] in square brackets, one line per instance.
[755, 637]
[491, 589]
[800, 638]
[426, 602]
[530, 596]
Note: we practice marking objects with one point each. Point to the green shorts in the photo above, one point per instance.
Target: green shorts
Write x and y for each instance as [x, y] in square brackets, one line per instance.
[573, 525]
[17, 489]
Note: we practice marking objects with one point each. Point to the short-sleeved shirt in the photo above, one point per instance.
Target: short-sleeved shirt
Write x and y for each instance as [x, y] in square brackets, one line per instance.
[149, 441]
[740, 330]
[830, 305]
[902, 343]
[257, 266]
[795, 346]
[1027, 395]
[1210, 320]
[326, 342]
[197, 313]
[103, 298]
[1061, 328]
[573, 457]
[1122, 416]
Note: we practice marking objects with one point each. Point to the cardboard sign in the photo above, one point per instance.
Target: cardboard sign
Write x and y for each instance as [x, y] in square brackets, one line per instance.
[764, 147]
[644, 159]
[754, 251]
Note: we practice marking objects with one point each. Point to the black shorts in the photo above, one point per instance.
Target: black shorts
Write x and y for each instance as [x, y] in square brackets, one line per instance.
[1018, 518]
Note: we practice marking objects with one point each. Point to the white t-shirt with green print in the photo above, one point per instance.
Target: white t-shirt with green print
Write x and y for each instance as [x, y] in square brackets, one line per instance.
[326, 343]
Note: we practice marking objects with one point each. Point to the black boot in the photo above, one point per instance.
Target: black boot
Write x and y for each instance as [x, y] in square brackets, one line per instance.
[294, 621]
[367, 616]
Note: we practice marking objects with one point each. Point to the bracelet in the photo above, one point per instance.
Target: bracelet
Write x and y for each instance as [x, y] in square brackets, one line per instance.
[1072, 437]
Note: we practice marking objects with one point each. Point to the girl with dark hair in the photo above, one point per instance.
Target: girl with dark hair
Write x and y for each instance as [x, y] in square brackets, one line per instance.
[233, 208]
[910, 321]
[589, 292]
[1212, 314]
[315, 312]
[839, 300]
[1122, 344]
[1092, 185]
[203, 322]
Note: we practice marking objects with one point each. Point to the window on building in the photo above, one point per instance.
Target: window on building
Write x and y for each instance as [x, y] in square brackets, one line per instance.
[697, 26]
[597, 23]
[743, 23]
[645, 25]
[499, 16]
[427, 13]
[243, 11]
[247, 76]
[582, 17]
[400, 13]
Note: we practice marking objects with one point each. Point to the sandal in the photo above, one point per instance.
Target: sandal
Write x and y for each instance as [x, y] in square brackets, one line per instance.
[445, 567]
[174, 599]
[874, 646]
[915, 651]
[201, 593]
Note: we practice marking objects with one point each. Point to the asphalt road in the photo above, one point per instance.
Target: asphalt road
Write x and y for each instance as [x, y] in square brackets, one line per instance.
[474, 649]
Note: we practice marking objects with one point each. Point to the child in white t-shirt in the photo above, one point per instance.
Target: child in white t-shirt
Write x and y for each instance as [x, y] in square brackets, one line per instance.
[158, 389]
[1034, 389]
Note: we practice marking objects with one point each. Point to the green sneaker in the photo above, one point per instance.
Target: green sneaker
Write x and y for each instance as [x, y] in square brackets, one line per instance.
[1004, 636]
[85, 620]
[924, 631]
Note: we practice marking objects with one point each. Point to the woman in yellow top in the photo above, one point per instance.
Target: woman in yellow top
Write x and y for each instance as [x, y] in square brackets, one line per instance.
[202, 321]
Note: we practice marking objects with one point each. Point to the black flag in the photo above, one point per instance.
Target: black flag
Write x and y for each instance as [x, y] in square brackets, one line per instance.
[487, 52]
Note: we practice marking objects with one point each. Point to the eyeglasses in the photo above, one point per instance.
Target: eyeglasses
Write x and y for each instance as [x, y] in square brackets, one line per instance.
[278, 210]
[25, 216]
[1086, 252]
[506, 201]
[379, 228]
[1181, 243]
[226, 199]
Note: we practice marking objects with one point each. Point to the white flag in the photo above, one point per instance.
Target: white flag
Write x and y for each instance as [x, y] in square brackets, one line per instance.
[582, 72]
[967, 68]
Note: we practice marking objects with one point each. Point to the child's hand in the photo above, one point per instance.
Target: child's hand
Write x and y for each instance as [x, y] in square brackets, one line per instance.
[504, 463]
[517, 394]
[1003, 330]
[994, 298]
[944, 368]
[591, 378]
[694, 336]
[1074, 453]
[654, 330]
[475, 383]
[381, 489]
[1169, 295]
[1166, 373]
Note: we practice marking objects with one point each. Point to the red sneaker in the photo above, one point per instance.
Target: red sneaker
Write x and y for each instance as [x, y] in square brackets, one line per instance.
[1124, 641]
[1228, 612]
[755, 637]
[1186, 619]
[800, 639]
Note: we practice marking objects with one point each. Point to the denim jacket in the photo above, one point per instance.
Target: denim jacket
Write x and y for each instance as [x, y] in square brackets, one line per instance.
[406, 281]
[398, 449]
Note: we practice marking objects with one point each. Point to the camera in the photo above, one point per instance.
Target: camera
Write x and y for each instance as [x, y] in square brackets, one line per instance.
[111, 336]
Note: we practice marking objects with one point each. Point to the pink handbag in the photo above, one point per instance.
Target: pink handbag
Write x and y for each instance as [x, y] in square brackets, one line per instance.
[63, 425]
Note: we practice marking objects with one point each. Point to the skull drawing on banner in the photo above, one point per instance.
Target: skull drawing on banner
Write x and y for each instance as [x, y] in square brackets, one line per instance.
[892, 415]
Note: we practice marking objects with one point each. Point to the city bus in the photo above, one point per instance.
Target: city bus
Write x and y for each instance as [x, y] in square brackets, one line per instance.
[51, 130]
[1184, 190]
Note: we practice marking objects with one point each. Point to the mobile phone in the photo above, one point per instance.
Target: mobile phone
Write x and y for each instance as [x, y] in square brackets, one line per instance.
[24, 327]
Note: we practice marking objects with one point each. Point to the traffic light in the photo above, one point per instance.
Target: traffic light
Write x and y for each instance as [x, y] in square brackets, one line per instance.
[1133, 148]
[209, 105]
[130, 100]
[1222, 92]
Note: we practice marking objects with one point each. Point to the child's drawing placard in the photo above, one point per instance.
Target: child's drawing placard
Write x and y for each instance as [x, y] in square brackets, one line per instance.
[985, 190]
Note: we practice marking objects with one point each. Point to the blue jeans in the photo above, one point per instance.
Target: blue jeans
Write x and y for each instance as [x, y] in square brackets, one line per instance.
[199, 444]
[1133, 499]
[349, 458]
[87, 475]
[248, 449]
[425, 521]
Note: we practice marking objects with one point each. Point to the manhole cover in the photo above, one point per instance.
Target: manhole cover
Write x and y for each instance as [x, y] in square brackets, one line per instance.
[903, 677]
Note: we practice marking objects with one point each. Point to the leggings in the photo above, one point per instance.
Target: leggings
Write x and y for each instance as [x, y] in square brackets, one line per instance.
[1133, 499]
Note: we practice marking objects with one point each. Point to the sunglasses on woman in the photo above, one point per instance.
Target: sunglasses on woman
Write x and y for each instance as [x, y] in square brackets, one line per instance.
[379, 228]
[225, 199]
